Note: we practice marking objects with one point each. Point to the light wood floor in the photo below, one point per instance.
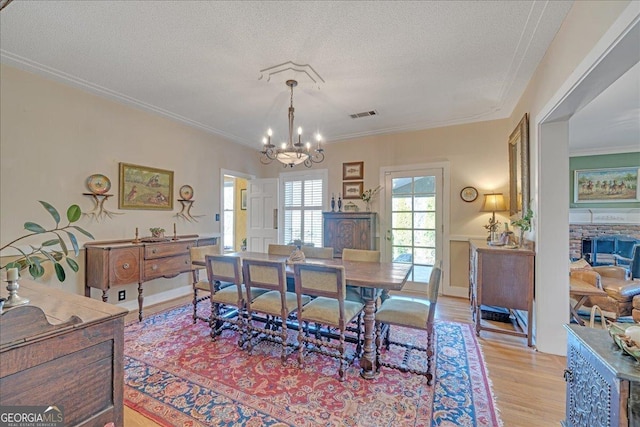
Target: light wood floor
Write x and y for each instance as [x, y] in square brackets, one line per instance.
[528, 386]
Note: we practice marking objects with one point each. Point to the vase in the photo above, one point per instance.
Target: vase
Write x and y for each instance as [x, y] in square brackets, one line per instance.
[521, 239]
[367, 206]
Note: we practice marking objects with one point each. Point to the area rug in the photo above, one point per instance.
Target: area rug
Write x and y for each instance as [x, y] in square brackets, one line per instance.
[176, 376]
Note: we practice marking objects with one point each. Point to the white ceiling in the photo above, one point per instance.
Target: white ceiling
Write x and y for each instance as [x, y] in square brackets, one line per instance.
[417, 64]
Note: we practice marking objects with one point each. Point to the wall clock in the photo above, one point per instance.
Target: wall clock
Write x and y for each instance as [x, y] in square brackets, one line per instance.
[469, 194]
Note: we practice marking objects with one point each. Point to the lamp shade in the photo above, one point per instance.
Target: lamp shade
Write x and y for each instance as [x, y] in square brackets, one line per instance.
[493, 202]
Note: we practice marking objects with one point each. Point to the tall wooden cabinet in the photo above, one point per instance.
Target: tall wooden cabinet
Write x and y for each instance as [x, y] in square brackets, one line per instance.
[504, 278]
[353, 230]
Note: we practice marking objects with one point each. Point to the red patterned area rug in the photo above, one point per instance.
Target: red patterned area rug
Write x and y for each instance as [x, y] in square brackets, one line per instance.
[176, 376]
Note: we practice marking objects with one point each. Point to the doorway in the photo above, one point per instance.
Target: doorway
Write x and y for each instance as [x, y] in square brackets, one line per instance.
[412, 222]
[233, 227]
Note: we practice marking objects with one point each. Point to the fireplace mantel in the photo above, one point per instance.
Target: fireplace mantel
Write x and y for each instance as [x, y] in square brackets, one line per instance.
[604, 216]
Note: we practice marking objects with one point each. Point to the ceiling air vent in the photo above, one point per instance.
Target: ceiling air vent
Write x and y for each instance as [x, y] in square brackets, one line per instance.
[364, 114]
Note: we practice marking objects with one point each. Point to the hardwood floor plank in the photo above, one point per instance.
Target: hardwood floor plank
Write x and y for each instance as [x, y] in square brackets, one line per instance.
[527, 385]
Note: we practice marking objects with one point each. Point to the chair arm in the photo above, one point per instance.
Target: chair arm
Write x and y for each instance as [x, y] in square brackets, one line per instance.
[615, 272]
[587, 275]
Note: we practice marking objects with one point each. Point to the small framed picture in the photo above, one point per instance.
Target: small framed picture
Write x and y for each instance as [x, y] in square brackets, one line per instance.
[243, 199]
[352, 190]
[353, 170]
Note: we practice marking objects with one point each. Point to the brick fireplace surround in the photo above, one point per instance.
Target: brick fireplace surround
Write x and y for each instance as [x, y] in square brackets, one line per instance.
[577, 232]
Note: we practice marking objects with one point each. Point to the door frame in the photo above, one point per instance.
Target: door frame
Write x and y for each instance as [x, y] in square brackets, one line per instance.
[235, 174]
[445, 288]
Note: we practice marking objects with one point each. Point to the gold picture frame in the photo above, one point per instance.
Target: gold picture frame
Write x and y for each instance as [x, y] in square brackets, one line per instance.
[519, 168]
[143, 187]
[352, 171]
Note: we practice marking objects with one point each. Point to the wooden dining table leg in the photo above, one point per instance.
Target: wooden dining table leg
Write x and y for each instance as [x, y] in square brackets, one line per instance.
[368, 358]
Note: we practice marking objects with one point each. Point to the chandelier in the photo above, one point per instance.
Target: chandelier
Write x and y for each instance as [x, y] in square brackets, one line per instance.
[291, 153]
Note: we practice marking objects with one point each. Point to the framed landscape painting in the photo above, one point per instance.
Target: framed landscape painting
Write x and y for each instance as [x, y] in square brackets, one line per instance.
[143, 187]
[606, 185]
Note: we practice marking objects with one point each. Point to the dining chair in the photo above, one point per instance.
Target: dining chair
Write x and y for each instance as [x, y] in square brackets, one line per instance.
[276, 303]
[222, 269]
[415, 314]
[314, 252]
[329, 307]
[197, 254]
[358, 255]
[275, 249]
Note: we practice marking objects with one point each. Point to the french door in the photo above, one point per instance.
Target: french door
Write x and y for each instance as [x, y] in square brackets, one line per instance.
[414, 229]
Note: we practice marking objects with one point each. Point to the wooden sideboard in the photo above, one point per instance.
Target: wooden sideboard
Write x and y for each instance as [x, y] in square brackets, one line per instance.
[504, 278]
[63, 350]
[122, 262]
[603, 385]
[353, 230]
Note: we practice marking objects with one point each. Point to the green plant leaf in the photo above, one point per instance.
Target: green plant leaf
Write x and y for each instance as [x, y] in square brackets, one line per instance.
[51, 242]
[63, 245]
[36, 270]
[74, 213]
[32, 226]
[60, 272]
[83, 231]
[72, 264]
[54, 213]
[49, 256]
[74, 242]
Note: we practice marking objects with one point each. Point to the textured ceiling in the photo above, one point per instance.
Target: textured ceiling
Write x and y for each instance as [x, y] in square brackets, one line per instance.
[417, 64]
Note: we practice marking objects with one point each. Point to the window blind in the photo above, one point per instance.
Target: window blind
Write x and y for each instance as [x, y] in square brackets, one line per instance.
[303, 196]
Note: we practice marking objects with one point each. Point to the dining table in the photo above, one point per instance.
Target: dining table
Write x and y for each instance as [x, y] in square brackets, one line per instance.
[373, 278]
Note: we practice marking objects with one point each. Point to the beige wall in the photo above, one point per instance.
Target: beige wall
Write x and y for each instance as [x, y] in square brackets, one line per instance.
[586, 23]
[52, 137]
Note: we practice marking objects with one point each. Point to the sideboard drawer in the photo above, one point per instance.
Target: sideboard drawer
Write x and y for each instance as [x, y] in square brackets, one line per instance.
[167, 249]
[166, 267]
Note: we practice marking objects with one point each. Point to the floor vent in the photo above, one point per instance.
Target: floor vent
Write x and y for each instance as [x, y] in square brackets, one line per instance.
[364, 114]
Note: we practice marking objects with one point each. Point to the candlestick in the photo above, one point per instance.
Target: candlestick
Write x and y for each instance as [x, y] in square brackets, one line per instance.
[136, 240]
[12, 274]
[12, 287]
[175, 237]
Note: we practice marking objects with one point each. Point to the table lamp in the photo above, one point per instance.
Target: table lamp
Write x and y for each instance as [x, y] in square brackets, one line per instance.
[493, 202]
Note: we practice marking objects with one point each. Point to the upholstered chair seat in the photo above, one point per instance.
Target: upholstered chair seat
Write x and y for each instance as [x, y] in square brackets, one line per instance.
[274, 302]
[200, 284]
[329, 308]
[416, 314]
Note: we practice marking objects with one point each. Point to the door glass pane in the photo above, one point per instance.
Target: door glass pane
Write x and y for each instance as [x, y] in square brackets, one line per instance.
[413, 223]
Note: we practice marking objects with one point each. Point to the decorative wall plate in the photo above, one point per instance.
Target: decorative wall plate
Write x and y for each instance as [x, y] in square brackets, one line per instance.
[98, 184]
[469, 194]
[186, 192]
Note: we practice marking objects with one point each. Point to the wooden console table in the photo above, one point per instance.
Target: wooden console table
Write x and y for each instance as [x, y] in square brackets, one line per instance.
[122, 262]
[63, 350]
[501, 277]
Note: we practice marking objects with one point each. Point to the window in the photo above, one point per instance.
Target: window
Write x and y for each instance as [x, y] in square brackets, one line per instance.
[303, 196]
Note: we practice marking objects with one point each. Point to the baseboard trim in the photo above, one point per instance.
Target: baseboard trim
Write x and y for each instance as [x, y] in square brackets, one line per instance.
[158, 298]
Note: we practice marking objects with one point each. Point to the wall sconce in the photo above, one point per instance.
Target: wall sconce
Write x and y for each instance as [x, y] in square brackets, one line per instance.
[493, 202]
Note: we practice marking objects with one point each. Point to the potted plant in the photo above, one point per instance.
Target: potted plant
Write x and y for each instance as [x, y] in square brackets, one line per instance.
[54, 249]
[157, 232]
[524, 224]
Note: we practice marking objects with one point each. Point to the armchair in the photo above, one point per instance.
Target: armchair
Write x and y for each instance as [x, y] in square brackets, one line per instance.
[614, 281]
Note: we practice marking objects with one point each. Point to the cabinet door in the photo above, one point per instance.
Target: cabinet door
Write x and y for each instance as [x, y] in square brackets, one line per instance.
[124, 266]
[593, 391]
